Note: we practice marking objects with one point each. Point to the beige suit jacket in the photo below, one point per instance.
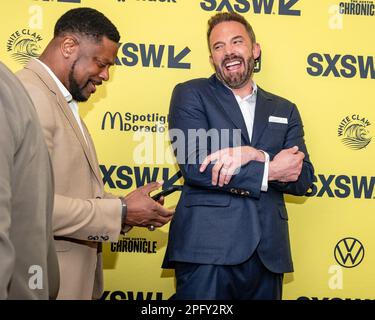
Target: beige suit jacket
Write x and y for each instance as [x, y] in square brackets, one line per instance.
[83, 215]
[28, 262]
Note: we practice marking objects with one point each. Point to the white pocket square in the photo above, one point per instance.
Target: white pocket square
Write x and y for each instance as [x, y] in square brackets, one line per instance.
[278, 119]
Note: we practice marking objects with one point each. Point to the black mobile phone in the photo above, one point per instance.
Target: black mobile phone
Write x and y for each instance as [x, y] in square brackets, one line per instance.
[166, 192]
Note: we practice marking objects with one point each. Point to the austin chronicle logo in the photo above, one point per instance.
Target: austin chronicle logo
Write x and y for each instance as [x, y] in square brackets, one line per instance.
[354, 133]
[349, 252]
[23, 45]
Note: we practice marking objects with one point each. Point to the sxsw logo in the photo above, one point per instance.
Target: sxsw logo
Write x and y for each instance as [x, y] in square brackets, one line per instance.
[349, 252]
[342, 186]
[125, 177]
[131, 295]
[340, 66]
[280, 7]
[331, 186]
[153, 55]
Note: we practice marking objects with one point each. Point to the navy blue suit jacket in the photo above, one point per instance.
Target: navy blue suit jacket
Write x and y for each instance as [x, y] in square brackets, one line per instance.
[225, 225]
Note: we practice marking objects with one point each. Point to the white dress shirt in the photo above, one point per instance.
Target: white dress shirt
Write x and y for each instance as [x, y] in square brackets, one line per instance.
[68, 97]
[247, 107]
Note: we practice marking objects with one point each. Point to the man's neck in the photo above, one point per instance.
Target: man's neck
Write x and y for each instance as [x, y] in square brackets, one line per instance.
[245, 90]
[53, 62]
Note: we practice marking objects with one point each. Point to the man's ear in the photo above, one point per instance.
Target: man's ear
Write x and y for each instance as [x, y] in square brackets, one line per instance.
[256, 50]
[68, 46]
[211, 60]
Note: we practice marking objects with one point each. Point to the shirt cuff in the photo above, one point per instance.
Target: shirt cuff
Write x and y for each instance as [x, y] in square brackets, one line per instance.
[265, 173]
[124, 212]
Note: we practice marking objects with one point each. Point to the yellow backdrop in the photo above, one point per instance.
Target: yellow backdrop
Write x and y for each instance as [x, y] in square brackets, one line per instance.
[318, 54]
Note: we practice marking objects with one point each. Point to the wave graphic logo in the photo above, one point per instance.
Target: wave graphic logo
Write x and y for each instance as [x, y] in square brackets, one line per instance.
[354, 133]
[24, 45]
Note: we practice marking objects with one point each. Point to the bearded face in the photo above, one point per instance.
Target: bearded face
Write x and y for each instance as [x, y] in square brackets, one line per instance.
[235, 71]
[233, 54]
[90, 67]
[82, 92]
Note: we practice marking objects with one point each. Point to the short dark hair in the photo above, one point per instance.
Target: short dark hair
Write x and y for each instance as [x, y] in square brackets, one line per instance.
[229, 16]
[88, 22]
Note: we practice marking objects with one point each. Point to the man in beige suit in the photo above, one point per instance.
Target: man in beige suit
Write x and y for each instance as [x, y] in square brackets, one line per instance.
[76, 60]
[28, 262]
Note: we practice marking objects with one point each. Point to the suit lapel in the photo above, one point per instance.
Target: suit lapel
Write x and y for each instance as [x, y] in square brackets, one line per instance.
[228, 103]
[90, 143]
[42, 73]
[64, 106]
[263, 109]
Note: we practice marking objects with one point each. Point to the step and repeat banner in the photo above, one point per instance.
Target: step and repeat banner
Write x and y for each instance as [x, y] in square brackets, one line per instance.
[316, 53]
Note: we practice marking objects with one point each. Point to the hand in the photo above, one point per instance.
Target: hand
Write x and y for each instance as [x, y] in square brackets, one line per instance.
[286, 166]
[228, 162]
[143, 210]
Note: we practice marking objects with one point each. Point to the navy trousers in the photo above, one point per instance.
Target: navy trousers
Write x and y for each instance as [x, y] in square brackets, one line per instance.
[250, 280]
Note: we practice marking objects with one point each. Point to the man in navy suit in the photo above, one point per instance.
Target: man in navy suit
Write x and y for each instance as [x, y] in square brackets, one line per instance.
[229, 236]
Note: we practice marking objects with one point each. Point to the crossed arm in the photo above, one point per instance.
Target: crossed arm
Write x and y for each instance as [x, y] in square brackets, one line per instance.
[242, 168]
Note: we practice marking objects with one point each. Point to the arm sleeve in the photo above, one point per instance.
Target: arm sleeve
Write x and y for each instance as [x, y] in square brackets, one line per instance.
[7, 252]
[83, 219]
[295, 137]
[188, 131]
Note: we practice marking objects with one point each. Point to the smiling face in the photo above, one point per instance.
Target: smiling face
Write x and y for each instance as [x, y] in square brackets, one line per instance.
[233, 54]
[90, 67]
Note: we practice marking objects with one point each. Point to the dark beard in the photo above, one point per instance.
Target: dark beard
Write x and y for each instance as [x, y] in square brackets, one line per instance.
[236, 81]
[74, 88]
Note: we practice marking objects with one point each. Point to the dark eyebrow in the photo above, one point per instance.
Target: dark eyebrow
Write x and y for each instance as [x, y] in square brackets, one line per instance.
[216, 43]
[104, 61]
[237, 38]
[233, 39]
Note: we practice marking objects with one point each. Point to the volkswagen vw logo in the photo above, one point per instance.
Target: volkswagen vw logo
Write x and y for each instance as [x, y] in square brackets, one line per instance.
[349, 252]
